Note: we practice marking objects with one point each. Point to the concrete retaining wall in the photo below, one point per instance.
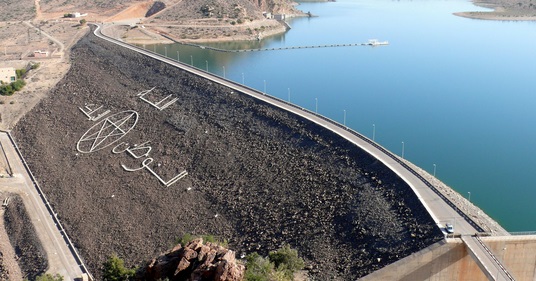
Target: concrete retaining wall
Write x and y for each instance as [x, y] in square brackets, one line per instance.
[449, 260]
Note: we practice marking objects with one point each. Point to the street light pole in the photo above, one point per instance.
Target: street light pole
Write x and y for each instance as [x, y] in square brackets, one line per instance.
[288, 94]
[469, 196]
[165, 51]
[373, 131]
[402, 150]
[224, 71]
[344, 120]
[243, 79]
[434, 169]
[191, 60]
[178, 56]
[207, 64]
[265, 86]
[316, 105]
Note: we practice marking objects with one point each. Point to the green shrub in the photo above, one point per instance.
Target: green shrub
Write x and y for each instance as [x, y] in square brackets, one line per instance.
[286, 260]
[258, 268]
[280, 265]
[17, 85]
[187, 238]
[6, 90]
[49, 277]
[114, 270]
[11, 88]
[20, 73]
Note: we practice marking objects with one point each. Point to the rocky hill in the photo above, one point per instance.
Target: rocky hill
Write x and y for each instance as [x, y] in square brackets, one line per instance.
[220, 9]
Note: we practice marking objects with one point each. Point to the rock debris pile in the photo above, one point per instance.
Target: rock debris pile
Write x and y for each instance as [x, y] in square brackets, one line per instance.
[32, 258]
[257, 175]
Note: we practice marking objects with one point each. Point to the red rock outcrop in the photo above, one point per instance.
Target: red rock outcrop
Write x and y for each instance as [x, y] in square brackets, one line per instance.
[194, 261]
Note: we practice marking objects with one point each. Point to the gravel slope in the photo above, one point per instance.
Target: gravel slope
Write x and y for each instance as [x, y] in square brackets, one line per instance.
[259, 176]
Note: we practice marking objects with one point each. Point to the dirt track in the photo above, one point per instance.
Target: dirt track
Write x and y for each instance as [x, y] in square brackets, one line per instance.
[259, 176]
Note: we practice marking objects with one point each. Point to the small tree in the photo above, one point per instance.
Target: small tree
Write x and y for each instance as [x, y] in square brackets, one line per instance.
[114, 270]
[83, 22]
[20, 73]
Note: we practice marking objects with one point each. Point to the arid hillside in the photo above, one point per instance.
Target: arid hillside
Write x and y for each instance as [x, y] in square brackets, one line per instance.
[11, 10]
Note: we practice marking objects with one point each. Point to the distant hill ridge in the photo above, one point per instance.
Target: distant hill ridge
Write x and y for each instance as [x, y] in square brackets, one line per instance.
[236, 9]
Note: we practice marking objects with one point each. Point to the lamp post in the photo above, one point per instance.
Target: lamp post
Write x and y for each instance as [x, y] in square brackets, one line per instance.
[402, 150]
[434, 169]
[165, 51]
[469, 194]
[288, 94]
[224, 71]
[178, 56]
[344, 119]
[191, 60]
[373, 131]
[206, 61]
[243, 79]
[316, 105]
[264, 86]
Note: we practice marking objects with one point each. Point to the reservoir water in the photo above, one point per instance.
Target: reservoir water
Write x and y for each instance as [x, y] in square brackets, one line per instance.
[455, 94]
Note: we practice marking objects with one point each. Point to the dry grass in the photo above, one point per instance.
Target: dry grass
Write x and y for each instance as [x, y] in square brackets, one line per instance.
[17, 10]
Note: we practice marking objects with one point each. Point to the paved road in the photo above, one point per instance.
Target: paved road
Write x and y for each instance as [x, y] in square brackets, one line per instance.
[441, 210]
[59, 256]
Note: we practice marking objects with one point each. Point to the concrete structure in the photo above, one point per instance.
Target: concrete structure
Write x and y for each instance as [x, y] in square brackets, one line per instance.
[280, 16]
[77, 15]
[40, 54]
[439, 206]
[450, 260]
[8, 75]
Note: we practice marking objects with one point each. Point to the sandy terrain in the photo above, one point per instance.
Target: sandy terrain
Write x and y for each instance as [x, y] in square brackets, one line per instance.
[19, 42]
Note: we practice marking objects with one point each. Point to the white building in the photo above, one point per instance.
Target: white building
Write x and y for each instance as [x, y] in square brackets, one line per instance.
[8, 75]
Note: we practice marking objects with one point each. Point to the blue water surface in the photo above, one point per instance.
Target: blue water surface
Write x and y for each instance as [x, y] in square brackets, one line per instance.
[458, 92]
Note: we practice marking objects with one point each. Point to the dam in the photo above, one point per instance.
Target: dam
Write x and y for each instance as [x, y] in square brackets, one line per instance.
[473, 253]
[328, 191]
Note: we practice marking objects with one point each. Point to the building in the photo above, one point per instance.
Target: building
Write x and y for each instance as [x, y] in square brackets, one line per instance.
[77, 15]
[280, 17]
[8, 75]
[40, 54]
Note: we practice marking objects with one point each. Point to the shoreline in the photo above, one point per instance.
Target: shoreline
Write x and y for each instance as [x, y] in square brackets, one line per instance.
[499, 13]
[493, 16]
[167, 33]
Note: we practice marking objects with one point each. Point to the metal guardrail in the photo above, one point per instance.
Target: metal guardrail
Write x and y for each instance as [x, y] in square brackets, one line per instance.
[519, 233]
[501, 266]
[59, 226]
[353, 132]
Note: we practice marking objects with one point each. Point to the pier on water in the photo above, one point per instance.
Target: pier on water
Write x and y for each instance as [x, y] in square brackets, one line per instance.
[371, 42]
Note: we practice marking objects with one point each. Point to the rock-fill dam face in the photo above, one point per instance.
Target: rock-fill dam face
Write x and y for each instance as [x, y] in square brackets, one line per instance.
[133, 153]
